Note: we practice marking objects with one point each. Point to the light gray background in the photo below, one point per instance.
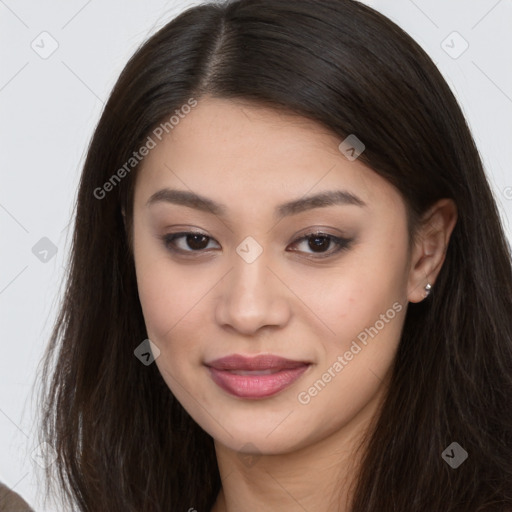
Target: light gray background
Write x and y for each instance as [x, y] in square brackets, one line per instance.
[48, 110]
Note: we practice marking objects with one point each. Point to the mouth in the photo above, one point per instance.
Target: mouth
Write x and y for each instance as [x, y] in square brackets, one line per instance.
[255, 377]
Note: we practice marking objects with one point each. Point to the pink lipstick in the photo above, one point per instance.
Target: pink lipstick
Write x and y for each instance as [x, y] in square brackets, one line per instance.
[255, 377]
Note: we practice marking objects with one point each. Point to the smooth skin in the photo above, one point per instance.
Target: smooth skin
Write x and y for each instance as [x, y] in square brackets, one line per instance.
[300, 298]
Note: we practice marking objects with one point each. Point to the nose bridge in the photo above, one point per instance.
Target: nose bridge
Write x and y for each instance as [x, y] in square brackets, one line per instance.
[250, 262]
[250, 286]
[251, 296]
[250, 274]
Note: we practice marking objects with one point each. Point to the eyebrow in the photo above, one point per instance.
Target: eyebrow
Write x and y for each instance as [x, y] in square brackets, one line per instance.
[198, 202]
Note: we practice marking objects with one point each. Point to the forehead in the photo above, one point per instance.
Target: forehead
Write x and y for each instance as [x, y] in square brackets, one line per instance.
[247, 124]
[223, 148]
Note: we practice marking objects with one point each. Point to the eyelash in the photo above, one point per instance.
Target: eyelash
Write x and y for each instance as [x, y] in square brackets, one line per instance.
[342, 244]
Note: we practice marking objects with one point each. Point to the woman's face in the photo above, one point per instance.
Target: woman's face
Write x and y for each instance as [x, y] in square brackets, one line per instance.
[258, 280]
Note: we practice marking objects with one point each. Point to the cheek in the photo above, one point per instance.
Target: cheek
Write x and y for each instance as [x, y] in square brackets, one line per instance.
[367, 319]
[345, 301]
[168, 292]
[165, 298]
[176, 302]
[159, 305]
[174, 305]
[171, 305]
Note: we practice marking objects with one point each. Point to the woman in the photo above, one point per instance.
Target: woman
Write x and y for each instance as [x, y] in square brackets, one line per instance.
[289, 287]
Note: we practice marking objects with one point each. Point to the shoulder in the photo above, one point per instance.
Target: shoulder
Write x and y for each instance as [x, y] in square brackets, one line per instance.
[11, 501]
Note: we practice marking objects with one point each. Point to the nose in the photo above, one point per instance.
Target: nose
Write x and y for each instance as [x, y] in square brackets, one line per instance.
[252, 297]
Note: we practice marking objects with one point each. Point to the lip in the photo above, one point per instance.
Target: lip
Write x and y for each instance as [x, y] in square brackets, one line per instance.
[256, 377]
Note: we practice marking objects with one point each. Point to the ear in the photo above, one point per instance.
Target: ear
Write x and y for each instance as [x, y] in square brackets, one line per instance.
[429, 250]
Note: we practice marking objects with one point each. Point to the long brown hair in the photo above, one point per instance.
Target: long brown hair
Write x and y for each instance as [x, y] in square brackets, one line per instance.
[124, 443]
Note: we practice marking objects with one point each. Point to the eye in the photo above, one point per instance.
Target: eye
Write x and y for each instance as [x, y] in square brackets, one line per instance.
[322, 243]
[190, 242]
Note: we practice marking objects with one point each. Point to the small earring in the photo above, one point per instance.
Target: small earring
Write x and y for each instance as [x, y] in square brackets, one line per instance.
[428, 289]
